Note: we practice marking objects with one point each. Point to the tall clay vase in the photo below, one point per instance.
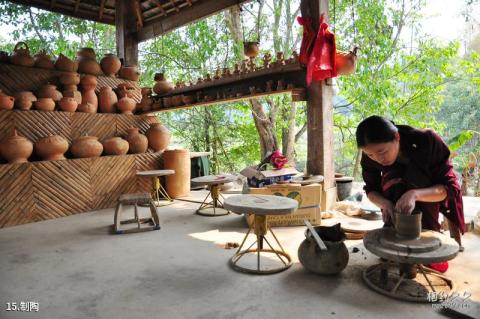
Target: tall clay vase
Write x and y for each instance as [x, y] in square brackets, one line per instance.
[89, 84]
[110, 64]
[16, 148]
[51, 148]
[138, 143]
[115, 146]
[158, 137]
[86, 146]
[107, 100]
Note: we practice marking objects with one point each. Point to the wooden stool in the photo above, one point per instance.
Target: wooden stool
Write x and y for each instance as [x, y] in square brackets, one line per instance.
[136, 199]
[214, 183]
[159, 194]
[261, 206]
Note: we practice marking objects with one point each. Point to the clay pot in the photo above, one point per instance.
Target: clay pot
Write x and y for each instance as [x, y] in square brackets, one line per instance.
[110, 64]
[46, 104]
[24, 100]
[68, 104]
[177, 100]
[16, 148]
[187, 99]
[115, 146]
[346, 62]
[138, 143]
[43, 60]
[324, 262]
[146, 103]
[50, 91]
[86, 146]
[87, 108]
[21, 56]
[125, 89]
[88, 53]
[89, 84]
[107, 100]
[4, 58]
[74, 94]
[89, 66]
[65, 64]
[6, 102]
[129, 72]
[167, 102]
[69, 79]
[158, 137]
[408, 226]
[126, 105]
[146, 91]
[251, 49]
[88, 80]
[162, 86]
[51, 148]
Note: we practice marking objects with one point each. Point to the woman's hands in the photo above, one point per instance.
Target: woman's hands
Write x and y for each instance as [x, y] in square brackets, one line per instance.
[406, 203]
[388, 209]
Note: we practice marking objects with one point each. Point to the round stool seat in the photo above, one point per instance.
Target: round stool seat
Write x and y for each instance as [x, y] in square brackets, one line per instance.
[158, 172]
[261, 204]
[213, 179]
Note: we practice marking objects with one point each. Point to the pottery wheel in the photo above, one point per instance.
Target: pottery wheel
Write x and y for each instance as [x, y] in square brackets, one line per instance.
[431, 247]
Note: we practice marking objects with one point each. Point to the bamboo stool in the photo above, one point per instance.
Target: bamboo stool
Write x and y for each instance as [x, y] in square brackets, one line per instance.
[261, 206]
[136, 199]
[159, 194]
[214, 183]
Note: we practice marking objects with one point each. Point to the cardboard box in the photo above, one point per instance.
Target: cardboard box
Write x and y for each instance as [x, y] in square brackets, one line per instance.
[258, 178]
[308, 197]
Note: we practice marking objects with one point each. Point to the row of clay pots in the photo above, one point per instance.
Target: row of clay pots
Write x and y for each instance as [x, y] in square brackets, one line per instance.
[17, 149]
[86, 62]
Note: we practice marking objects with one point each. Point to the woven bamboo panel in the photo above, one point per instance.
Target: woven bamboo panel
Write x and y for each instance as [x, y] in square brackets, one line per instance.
[99, 125]
[61, 188]
[145, 162]
[16, 194]
[6, 123]
[37, 124]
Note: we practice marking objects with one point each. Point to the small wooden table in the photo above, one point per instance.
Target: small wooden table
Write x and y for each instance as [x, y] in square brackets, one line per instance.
[159, 194]
[214, 183]
[261, 206]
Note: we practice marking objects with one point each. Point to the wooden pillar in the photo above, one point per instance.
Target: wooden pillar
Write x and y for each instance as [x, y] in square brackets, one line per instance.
[320, 153]
[126, 28]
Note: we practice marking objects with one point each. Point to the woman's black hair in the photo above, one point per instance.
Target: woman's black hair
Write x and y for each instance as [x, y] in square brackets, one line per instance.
[375, 129]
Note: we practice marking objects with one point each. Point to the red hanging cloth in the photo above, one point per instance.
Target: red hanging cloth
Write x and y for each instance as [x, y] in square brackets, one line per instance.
[308, 39]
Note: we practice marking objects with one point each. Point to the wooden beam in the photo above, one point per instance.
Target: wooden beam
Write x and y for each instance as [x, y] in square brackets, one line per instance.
[198, 10]
[127, 43]
[77, 4]
[102, 7]
[138, 13]
[159, 5]
[320, 152]
[173, 4]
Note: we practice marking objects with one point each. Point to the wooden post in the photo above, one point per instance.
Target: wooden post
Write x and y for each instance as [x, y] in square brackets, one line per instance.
[320, 153]
[126, 28]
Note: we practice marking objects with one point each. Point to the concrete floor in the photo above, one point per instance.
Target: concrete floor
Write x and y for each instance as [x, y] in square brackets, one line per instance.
[74, 268]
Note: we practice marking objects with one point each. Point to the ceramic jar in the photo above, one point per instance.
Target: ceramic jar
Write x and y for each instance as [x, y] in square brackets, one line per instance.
[251, 49]
[65, 64]
[107, 100]
[138, 143]
[162, 86]
[69, 79]
[4, 57]
[43, 60]
[110, 64]
[129, 72]
[88, 53]
[46, 104]
[146, 103]
[16, 148]
[74, 93]
[89, 83]
[6, 101]
[115, 146]
[158, 137]
[124, 89]
[126, 105]
[24, 100]
[89, 66]
[87, 108]
[324, 262]
[51, 148]
[21, 56]
[177, 100]
[50, 91]
[86, 146]
[68, 104]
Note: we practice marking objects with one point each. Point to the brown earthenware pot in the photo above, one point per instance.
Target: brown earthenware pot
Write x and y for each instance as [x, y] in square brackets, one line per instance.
[126, 105]
[16, 148]
[75, 94]
[69, 79]
[51, 148]
[158, 137]
[162, 86]
[125, 89]
[89, 66]
[50, 91]
[88, 53]
[89, 83]
[24, 100]
[110, 64]
[4, 57]
[65, 64]
[87, 108]
[115, 146]
[43, 60]
[129, 72]
[86, 146]
[21, 56]
[107, 100]
[251, 49]
[68, 104]
[138, 143]
[6, 101]
[46, 104]
[177, 100]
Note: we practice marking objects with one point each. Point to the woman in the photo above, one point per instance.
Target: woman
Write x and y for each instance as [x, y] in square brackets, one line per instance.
[408, 169]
